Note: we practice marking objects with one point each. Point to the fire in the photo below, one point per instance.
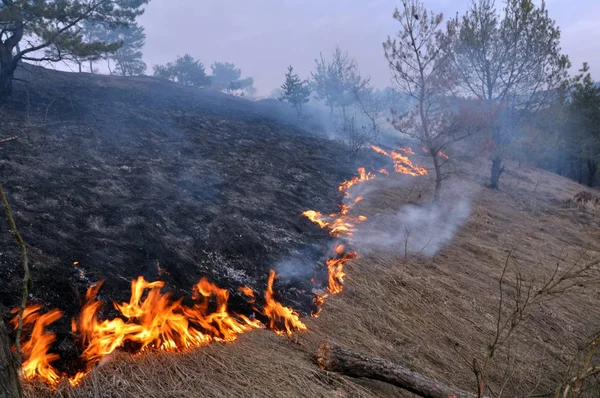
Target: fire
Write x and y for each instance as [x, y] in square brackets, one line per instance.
[406, 150]
[335, 267]
[440, 153]
[402, 164]
[362, 176]
[37, 359]
[318, 300]
[339, 224]
[219, 324]
[278, 314]
[152, 319]
[149, 320]
[316, 217]
[155, 320]
[246, 291]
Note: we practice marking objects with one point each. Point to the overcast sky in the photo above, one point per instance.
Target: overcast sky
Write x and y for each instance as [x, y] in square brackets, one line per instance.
[263, 37]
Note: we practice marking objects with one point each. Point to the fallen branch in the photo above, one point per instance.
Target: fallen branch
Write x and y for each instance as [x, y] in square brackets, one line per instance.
[27, 282]
[3, 140]
[338, 359]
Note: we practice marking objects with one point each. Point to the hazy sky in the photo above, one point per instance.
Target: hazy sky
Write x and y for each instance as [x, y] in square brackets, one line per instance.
[262, 37]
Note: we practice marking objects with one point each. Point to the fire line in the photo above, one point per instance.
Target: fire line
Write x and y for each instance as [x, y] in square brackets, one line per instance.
[155, 320]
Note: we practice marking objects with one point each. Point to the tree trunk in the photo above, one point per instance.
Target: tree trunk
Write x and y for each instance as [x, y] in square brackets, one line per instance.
[6, 79]
[10, 385]
[438, 176]
[337, 359]
[591, 172]
[497, 169]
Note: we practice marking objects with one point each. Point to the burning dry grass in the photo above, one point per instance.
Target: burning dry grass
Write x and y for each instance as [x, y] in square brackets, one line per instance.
[433, 315]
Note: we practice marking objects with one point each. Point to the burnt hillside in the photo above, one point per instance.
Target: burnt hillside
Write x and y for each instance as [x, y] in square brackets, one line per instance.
[137, 176]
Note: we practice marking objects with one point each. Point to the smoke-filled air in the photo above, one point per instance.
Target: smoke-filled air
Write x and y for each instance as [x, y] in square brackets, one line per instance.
[299, 198]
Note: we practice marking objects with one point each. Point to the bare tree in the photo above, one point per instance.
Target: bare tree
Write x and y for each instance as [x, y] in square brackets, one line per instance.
[516, 300]
[372, 105]
[420, 59]
[583, 373]
[511, 60]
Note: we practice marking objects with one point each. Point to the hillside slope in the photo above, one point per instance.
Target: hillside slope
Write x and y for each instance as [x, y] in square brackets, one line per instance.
[432, 314]
[136, 176]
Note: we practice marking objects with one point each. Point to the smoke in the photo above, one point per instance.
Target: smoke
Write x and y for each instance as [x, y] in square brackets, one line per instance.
[297, 265]
[413, 229]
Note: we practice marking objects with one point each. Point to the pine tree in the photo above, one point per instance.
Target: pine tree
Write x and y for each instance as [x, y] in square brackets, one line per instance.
[185, 70]
[295, 91]
[420, 61]
[128, 58]
[226, 77]
[510, 59]
[48, 23]
[583, 125]
[336, 81]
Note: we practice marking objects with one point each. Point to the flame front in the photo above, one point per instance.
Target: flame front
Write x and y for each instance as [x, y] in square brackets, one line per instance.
[402, 164]
[154, 320]
[150, 320]
[37, 360]
[440, 153]
[341, 225]
[278, 314]
[246, 291]
[362, 176]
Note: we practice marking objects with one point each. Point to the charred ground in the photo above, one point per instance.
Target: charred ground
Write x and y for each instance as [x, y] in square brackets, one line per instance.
[137, 176]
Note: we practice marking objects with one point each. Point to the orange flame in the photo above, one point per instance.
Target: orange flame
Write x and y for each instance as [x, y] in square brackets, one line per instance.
[406, 150]
[440, 153]
[278, 314]
[362, 176]
[318, 301]
[316, 217]
[246, 291]
[339, 224]
[335, 267]
[402, 164]
[152, 319]
[37, 359]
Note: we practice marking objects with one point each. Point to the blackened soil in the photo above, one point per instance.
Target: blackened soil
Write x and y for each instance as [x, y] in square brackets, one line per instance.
[137, 176]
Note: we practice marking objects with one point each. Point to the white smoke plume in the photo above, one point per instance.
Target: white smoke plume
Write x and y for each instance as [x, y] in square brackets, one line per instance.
[413, 229]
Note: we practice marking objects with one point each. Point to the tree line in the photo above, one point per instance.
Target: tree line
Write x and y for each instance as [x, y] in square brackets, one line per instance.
[497, 72]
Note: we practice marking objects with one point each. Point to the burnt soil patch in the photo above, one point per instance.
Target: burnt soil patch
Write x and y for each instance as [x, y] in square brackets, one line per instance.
[138, 176]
